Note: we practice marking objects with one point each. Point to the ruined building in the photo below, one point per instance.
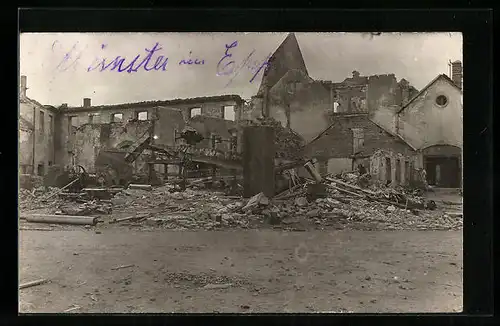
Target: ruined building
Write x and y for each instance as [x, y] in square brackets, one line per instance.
[75, 135]
[387, 125]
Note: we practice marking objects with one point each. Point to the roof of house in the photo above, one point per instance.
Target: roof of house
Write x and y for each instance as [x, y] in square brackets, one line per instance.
[361, 118]
[287, 56]
[25, 124]
[27, 100]
[192, 100]
[441, 76]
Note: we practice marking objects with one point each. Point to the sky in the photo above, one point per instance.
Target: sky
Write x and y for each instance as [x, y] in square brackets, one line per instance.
[57, 64]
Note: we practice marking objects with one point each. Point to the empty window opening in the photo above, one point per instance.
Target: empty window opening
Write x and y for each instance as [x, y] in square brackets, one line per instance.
[117, 117]
[336, 106]
[94, 118]
[388, 169]
[42, 121]
[39, 170]
[398, 170]
[229, 113]
[51, 125]
[194, 112]
[142, 115]
[72, 122]
[407, 171]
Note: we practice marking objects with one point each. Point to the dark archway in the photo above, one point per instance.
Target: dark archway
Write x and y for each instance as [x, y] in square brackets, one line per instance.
[443, 164]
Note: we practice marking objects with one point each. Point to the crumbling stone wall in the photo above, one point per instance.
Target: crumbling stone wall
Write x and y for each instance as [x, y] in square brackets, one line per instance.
[307, 101]
[382, 91]
[87, 144]
[378, 167]
[44, 140]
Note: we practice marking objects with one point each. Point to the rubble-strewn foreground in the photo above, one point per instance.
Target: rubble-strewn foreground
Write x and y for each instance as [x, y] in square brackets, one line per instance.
[165, 207]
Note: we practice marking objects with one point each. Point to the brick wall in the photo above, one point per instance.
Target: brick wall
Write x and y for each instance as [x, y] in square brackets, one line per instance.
[337, 141]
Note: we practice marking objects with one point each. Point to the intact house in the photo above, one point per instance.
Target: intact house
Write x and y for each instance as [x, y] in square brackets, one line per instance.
[36, 134]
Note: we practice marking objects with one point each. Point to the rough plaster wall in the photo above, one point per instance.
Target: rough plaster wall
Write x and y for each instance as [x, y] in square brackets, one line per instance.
[385, 117]
[168, 121]
[382, 91]
[423, 123]
[308, 105]
[25, 148]
[338, 165]
[44, 141]
[86, 145]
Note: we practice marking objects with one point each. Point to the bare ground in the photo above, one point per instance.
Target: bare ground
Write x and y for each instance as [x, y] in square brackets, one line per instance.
[257, 271]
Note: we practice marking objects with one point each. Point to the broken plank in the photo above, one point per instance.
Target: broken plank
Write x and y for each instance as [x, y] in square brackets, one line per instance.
[35, 229]
[140, 186]
[347, 191]
[130, 218]
[60, 219]
[123, 266]
[345, 184]
[32, 283]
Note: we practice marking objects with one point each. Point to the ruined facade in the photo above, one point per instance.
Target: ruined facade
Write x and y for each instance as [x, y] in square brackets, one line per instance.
[75, 135]
[88, 129]
[36, 134]
[353, 139]
[386, 124]
[288, 94]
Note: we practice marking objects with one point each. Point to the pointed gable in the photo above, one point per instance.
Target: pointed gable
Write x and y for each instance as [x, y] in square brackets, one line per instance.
[287, 57]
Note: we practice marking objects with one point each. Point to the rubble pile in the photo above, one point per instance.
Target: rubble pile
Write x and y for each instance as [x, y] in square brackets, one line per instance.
[37, 197]
[340, 205]
[288, 144]
[189, 209]
[93, 207]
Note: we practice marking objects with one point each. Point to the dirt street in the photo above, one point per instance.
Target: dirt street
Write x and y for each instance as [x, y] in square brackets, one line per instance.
[241, 271]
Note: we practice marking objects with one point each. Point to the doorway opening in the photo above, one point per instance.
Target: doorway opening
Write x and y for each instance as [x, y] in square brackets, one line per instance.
[443, 171]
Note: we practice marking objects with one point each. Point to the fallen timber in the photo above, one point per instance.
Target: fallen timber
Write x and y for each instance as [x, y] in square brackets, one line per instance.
[60, 219]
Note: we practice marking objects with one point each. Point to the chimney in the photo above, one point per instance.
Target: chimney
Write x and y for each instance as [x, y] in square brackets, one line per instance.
[23, 86]
[86, 102]
[64, 105]
[456, 73]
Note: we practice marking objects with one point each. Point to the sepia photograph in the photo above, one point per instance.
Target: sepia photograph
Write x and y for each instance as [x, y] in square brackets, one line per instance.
[248, 172]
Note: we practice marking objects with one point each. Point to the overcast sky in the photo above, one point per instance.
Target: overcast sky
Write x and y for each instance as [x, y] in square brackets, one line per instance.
[417, 57]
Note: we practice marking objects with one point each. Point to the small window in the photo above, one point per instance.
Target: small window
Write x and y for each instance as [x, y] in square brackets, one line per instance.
[441, 100]
[229, 112]
[336, 107]
[40, 171]
[117, 117]
[194, 112]
[51, 124]
[142, 115]
[42, 121]
[94, 118]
